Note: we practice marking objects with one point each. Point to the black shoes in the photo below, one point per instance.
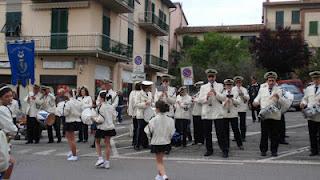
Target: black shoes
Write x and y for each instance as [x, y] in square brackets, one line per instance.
[263, 154]
[283, 142]
[208, 153]
[313, 154]
[241, 147]
[29, 142]
[225, 155]
[274, 154]
[50, 142]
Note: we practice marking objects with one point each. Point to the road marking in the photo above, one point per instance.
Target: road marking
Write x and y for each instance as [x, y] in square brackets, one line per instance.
[288, 153]
[126, 147]
[23, 151]
[120, 135]
[93, 154]
[210, 163]
[114, 148]
[45, 152]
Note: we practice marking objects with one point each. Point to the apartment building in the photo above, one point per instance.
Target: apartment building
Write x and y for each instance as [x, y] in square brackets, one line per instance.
[300, 15]
[81, 42]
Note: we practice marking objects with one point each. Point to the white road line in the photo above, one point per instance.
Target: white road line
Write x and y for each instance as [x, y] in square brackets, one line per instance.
[45, 152]
[114, 148]
[211, 163]
[125, 134]
[126, 147]
[23, 151]
[289, 153]
[93, 154]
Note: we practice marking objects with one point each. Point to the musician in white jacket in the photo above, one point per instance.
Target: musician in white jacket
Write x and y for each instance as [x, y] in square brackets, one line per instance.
[243, 106]
[143, 103]
[183, 113]
[86, 102]
[160, 130]
[230, 103]
[111, 97]
[166, 93]
[104, 131]
[211, 107]
[312, 98]
[71, 110]
[196, 115]
[270, 95]
[132, 110]
[6, 128]
[33, 126]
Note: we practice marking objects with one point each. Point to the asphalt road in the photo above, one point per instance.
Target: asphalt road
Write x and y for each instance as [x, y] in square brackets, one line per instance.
[48, 161]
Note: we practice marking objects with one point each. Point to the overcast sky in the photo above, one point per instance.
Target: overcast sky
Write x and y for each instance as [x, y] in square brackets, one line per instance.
[222, 12]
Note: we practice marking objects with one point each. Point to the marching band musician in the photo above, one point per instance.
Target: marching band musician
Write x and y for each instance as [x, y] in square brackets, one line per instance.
[112, 97]
[86, 102]
[71, 110]
[253, 92]
[310, 99]
[15, 109]
[196, 115]
[270, 95]
[7, 128]
[231, 101]
[183, 113]
[33, 126]
[143, 102]
[211, 107]
[132, 110]
[47, 102]
[243, 106]
[166, 93]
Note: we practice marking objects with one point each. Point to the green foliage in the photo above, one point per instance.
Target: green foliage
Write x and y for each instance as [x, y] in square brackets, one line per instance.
[314, 65]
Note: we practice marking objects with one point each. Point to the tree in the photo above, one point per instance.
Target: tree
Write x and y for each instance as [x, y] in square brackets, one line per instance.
[282, 51]
[229, 56]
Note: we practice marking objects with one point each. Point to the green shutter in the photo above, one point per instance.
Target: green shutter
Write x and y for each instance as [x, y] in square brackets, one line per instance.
[106, 32]
[313, 28]
[130, 41]
[279, 18]
[161, 51]
[13, 22]
[295, 19]
[59, 29]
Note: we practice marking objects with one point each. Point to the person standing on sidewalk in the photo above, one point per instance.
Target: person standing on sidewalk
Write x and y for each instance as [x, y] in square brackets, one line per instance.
[253, 90]
[196, 114]
[120, 107]
[132, 111]
[86, 102]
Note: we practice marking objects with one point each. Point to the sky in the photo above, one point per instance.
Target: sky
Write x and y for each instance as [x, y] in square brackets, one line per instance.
[222, 12]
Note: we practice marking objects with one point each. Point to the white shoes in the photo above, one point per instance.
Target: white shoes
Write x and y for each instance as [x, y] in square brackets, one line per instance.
[99, 163]
[73, 158]
[164, 177]
[107, 164]
[69, 154]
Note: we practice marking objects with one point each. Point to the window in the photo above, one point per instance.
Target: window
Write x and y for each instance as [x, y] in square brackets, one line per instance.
[161, 51]
[313, 28]
[130, 40]
[12, 28]
[279, 18]
[295, 19]
[59, 29]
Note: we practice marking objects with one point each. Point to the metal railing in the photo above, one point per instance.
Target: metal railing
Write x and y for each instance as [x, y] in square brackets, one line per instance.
[80, 42]
[156, 61]
[149, 17]
[130, 3]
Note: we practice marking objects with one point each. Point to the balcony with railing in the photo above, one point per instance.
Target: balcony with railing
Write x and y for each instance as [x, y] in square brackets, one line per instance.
[89, 44]
[153, 24]
[156, 63]
[119, 6]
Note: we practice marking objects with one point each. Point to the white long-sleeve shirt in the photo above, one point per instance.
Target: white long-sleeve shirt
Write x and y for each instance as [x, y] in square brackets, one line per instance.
[114, 101]
[310, 99]
[6, 121]
[141, 99]
[47, 103]
[72, 110]
[243, 106]
[197, 107]
[132, 111]
[162, 129]
[86, 102]
[170, 99]
[230, 108]
[107, 111]
[183, 107]
[32, 108]
[14, 107]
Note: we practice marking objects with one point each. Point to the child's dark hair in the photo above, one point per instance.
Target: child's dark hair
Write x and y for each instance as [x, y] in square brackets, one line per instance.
[162, 106]
[103, 95]
[4, 89]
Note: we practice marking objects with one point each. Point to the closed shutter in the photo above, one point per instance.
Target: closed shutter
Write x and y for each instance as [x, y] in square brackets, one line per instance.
[279, 18]
[130, 41]
[313, 28]
[59, 29]
[106, 32]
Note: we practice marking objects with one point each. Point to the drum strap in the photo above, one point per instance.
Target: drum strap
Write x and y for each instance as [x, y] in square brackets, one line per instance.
[99, 112]
[63, 107]
[9, 110]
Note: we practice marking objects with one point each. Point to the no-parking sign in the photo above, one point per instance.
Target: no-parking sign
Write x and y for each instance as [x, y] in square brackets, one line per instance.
[187, 75]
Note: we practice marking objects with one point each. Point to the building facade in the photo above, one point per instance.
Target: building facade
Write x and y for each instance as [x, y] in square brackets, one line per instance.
[300, 15]
[85, 41]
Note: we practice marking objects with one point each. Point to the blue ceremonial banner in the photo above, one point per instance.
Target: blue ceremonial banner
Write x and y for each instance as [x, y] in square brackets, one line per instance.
[21, 57]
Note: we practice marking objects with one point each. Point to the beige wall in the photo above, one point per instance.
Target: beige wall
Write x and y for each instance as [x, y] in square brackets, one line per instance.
[270, 17]
[236, 35]
[313, 41]
[176, 20]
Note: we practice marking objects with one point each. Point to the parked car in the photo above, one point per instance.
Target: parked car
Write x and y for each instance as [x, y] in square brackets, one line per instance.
[296, 82]
[298, 95]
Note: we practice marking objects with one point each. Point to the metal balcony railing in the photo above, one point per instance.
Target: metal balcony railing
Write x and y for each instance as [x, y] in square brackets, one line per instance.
[147, 19]
[64, 42]
[156, 62]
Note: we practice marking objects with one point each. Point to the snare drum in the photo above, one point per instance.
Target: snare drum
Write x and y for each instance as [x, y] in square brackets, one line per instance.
[46, 118]
[264, 112]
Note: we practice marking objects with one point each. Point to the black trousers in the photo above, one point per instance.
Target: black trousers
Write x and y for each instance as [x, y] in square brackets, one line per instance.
[33, 129]
[142, 139]
[83, 132]
[270, 129]
[314, 131]
[207, 127]
[222, 132]
[198, 129]
[253, 113]
[243, 124]
[235, 129]
[135, 129]
[282, 128]
[56, 127]
[181, 128]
